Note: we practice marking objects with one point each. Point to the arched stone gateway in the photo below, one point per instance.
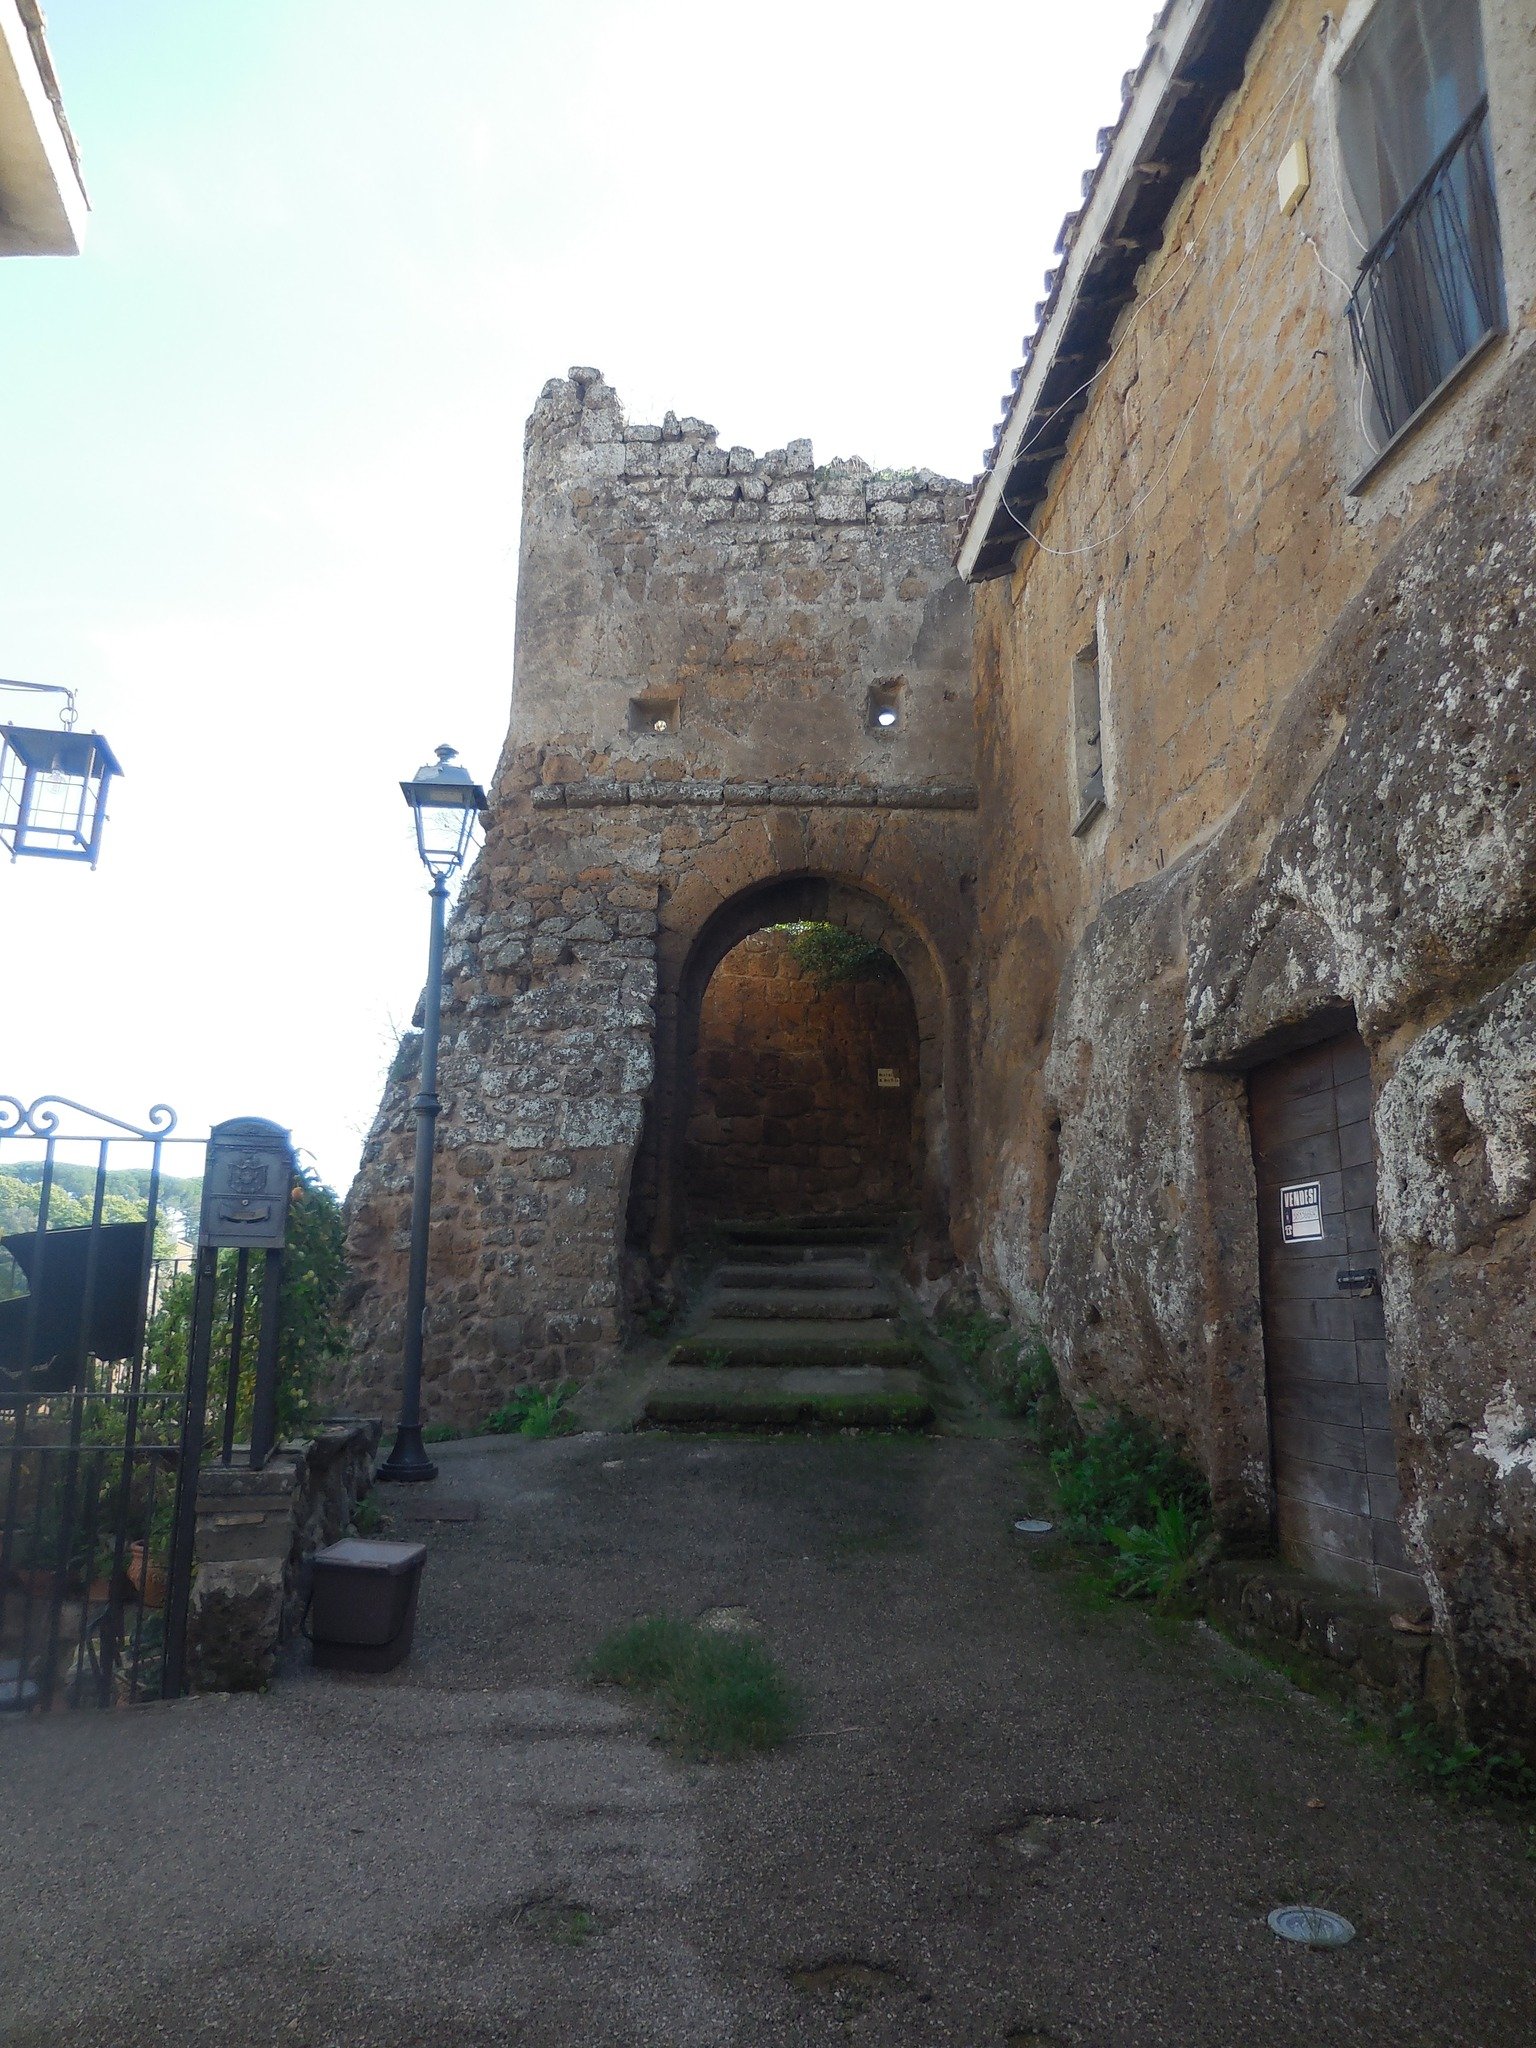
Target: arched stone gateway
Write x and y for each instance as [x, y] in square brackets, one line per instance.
[658, 1214]
[742, 699]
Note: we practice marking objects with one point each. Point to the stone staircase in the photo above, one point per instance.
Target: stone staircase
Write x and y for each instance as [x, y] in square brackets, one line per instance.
[796, 1327]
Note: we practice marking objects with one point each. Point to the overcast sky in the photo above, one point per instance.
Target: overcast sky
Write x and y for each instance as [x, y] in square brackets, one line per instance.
[262, 440]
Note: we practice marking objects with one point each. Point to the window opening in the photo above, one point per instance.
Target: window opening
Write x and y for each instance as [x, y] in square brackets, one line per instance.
[1087, 739]
[1418, 160]
[883, 706]
[655, 713]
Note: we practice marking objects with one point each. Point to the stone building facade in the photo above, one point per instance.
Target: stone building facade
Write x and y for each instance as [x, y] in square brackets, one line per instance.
[742, 697]
[1218, 916]
[1255, 708]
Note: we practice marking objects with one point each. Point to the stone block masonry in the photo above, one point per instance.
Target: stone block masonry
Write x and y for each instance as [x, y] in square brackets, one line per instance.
[702, 636]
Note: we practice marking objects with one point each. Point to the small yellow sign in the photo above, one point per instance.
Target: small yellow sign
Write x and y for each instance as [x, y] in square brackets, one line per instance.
[887, 1077]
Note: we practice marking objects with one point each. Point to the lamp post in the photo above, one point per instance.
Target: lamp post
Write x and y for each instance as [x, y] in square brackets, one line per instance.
[53, 784]
[446, 803]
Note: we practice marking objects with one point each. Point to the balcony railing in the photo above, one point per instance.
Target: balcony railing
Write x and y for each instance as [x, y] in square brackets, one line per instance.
[1432, 286]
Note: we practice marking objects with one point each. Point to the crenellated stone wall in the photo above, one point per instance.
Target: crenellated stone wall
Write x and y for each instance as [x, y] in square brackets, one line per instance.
[749, 606]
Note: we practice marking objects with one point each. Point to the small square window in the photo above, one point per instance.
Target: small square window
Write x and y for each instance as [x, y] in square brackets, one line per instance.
[657, 713]
[883, 706]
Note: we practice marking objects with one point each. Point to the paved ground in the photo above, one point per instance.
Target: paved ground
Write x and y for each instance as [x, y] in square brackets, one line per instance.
[1009, 1823]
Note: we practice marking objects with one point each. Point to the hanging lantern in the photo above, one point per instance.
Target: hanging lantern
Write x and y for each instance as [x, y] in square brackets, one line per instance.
[53, 791]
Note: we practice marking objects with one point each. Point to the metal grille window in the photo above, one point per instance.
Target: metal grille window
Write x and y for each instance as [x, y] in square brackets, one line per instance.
[1413, 130]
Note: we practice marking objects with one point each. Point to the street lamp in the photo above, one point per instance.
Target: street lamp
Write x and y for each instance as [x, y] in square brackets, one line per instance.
[446, 803]
[53, 784]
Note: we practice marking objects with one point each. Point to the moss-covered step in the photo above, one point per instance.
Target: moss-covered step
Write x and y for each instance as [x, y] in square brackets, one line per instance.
[836, 1274]
[797, 1304]
[768, 1341]
[758, 1397]
[838, 1232]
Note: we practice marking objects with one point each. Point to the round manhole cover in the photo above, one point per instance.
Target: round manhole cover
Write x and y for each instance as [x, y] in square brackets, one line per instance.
[1030, 1527]
[1312, 1925]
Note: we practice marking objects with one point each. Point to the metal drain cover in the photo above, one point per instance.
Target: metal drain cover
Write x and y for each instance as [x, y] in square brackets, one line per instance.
[1312, 1925]
[1030, 1527]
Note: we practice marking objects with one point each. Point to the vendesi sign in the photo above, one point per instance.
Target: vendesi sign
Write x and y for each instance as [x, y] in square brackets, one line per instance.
[1301, 1211]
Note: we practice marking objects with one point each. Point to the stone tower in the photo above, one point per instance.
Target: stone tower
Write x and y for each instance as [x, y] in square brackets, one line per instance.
[742, 695]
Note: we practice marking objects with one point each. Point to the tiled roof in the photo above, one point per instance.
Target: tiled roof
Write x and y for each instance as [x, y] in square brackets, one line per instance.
[1193, 60]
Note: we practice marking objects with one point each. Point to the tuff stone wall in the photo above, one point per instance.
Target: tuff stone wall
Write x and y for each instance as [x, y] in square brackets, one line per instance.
[750, 603]
[1318, 727]
[257, 1534]
[789, 1116]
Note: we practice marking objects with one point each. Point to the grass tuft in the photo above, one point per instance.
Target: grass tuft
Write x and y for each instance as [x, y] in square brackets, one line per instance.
[535, 1411]
[719, 1695]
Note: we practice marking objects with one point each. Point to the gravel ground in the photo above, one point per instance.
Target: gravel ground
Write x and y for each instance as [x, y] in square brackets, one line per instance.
[1009, 1821]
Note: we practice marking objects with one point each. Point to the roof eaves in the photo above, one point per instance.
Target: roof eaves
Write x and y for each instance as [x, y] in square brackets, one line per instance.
[1193, 61]
[37, 35]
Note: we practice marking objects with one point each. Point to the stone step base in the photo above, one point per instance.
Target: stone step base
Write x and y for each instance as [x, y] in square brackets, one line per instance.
[801, 1272]
[791, 1303]
[823, 1342]
[807, 1236]
[759, 1397]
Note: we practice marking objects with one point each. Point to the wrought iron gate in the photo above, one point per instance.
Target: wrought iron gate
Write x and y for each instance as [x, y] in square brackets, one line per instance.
[110, 1317]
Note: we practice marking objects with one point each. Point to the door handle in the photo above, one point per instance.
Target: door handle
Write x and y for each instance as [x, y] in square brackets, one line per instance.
[1356, 1280]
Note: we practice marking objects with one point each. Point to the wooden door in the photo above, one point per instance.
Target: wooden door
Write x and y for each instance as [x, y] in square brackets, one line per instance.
[1335, 1465]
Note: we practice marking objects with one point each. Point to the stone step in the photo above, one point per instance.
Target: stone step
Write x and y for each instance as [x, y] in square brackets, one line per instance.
[825, 1273]
[767, 1341]
[796, 1255]
[797, 1304]
[808, 1235]
[758, 1397]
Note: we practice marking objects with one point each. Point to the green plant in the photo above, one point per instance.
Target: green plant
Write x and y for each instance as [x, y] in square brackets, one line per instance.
[367, 1517]
[1152, 1562]
[439, 1433]
[831, 954]
[1464, 1771]
[971, 1335]
[310, 1328]
[719, 1693]
[1121, 1475]
[535, 1411]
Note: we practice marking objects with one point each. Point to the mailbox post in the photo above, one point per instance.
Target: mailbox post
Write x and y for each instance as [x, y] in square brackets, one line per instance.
[247, 1182]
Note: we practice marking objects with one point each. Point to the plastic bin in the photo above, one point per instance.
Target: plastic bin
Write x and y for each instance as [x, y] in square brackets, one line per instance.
[362, 1614]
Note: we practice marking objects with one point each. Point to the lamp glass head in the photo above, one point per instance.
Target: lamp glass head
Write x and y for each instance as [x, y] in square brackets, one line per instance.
[446, 801]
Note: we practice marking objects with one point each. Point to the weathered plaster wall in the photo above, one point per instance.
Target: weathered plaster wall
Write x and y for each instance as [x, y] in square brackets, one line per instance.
[758, 599]
[789, 1118]
[1318, 735]
[1202, 527]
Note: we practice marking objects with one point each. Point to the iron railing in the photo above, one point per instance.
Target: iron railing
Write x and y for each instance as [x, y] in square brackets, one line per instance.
[119, 1360]
[1431, 287]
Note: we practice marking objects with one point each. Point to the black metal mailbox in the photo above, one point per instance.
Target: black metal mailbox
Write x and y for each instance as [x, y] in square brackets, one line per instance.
[246, 1182]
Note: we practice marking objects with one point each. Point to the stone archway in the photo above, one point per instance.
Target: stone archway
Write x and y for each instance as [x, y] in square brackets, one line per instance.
[657, 1214]
[805, 1097]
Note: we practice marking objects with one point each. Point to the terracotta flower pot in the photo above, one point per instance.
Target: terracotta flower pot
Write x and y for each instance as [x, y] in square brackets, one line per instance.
[145, 1576]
